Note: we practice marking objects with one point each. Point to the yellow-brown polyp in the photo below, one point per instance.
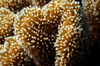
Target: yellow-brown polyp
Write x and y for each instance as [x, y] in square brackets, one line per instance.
[36, 30]
[8, 51]
[6, 24]
[11, 54]
[73, 44]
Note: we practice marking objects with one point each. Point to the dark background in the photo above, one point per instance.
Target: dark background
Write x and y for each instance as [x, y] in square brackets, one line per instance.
[79, 1]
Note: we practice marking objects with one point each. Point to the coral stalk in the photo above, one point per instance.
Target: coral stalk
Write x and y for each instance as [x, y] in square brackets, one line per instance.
[73, 45]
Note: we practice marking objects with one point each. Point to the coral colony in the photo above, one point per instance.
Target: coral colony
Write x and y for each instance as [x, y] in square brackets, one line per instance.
[49, 33]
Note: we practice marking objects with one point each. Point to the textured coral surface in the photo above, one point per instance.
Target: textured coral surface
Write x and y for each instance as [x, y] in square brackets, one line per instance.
[6, 24]
[49, 32]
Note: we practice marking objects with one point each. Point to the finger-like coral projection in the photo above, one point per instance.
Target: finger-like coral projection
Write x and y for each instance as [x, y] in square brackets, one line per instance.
[40, 3]
[11, 54]
[92, 11]
[32, 37]
[14, 5]
[74, 43]
[91, 8]
[8, 51]
[6, 24]
[36, 30]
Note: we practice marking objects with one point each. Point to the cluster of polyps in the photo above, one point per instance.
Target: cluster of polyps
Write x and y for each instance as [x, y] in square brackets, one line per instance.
[73, 40]
[6, 24]
[37, 35]
[37, 32]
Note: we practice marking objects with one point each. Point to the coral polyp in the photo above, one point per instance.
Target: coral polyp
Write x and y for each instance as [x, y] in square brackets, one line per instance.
[74, 43]
[6, 24]
[49, 32]
[8, 51]
[37, 31]
[11, 54]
